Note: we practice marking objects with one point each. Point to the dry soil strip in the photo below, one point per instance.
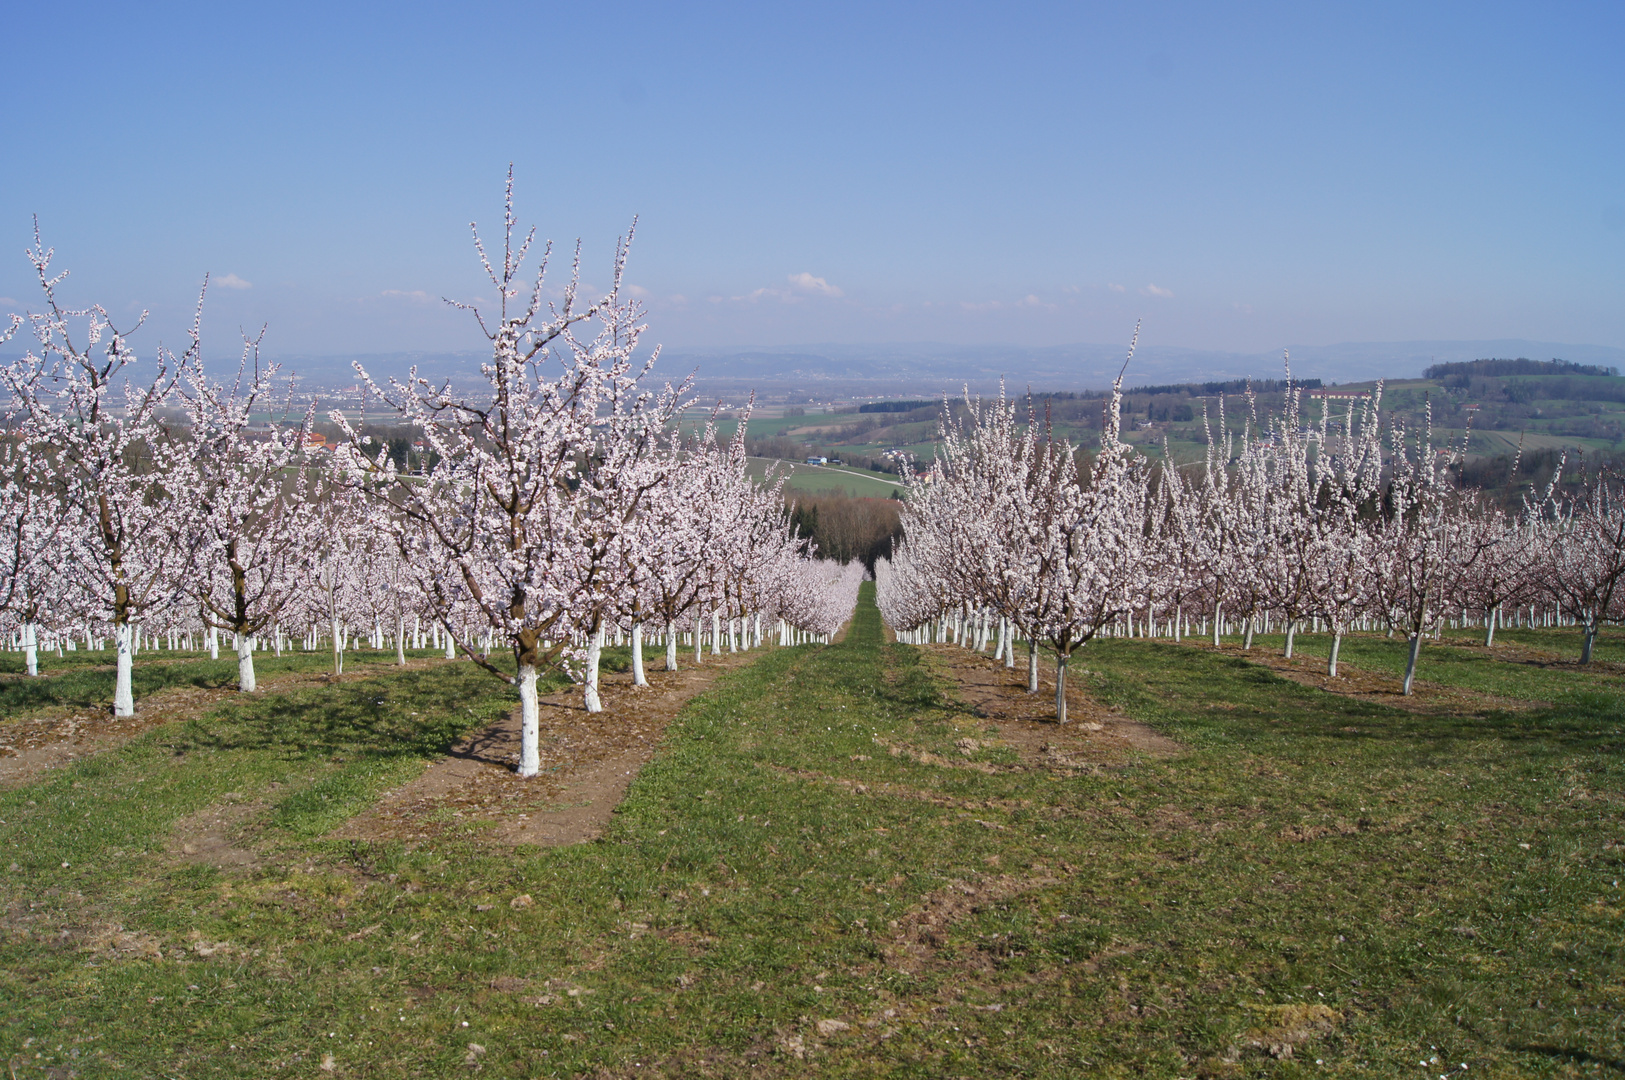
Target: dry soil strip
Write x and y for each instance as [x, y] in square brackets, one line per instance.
[1027, 721]
[588, 762]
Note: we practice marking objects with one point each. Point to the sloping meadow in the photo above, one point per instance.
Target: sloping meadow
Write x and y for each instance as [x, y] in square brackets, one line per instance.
[836, 867]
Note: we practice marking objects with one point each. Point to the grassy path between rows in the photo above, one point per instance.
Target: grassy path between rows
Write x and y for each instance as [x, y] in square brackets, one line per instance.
[1317, 887]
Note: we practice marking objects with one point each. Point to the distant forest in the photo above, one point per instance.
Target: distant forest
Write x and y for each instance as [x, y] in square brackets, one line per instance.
[1520, 366]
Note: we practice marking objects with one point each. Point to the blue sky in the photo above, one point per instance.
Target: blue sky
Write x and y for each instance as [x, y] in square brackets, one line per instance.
[1242, 176]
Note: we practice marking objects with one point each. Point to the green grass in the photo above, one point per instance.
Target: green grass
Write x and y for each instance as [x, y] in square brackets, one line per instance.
[1460, 661]
[83, 680]
[1450, 886]
[815, 478]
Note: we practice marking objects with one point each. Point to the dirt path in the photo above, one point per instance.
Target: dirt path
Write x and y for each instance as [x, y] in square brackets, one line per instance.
[588, 761]
[1094, 735]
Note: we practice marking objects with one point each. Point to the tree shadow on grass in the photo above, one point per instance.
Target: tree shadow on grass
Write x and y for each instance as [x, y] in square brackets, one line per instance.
[414, 713]
[93, 689]
[1569, 1053]
[1209, 690]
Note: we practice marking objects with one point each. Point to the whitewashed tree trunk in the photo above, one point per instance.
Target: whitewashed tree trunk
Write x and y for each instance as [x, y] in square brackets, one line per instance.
[699, 638]
[400, 640]
[245, 664]
[1291, 633]
[1337, 645]
[31, 647]
[1032, 665]
[530, 723]
[1060, 687]
[638, 678]
[451, 646]
[214, 643]
[338, 648]
[671, 649]
[123, 692]
[595, 652]
[716, 632]
[1410, 661]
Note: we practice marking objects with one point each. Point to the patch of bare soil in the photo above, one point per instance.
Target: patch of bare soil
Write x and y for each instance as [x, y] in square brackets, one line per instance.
[207, 836]
[1093, 735]
[1427, 697]
[902, 791]
[923, 929]
[29, 747]
[588, 762]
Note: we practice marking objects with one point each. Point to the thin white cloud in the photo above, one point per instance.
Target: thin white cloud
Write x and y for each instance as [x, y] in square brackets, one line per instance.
[1029, 301]
[805, 282]
[416, 296]
[637, 291]
[232, 281]
[9, 302]
[801, 286]
[1114, 287]
[1157, 290]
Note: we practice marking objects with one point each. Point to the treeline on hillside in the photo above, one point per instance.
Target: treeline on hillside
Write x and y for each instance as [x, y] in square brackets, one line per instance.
[1228, 386]
[846, 528]
[895, 406]
[1520, 366]
[1508, 479]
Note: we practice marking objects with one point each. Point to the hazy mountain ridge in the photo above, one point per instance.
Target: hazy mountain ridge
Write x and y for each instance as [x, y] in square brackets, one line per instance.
[861, 370]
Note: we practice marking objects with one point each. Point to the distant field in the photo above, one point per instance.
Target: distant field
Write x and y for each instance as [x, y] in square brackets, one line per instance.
[823, 478]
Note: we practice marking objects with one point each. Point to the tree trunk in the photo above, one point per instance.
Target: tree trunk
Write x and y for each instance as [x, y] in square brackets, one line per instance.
[1291, 632]
[123, 693]
[699, 638]
[671, 649]
[1588, 640]
[1060, 686]
[400, 640]
[31, 647]
[595, 652]
[530, 755]
[1218, 613]
[1010, 644]
[1032, 665]
[637, 655]
[338, 649]
[1489, 626]
[1247, 641]
[1337, 644]
[245, 664]
[1410, 662]
[716, 632]
[214, 643]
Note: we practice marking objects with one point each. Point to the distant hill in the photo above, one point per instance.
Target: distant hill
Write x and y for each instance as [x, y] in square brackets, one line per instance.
[916, 368]
[928, 369]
